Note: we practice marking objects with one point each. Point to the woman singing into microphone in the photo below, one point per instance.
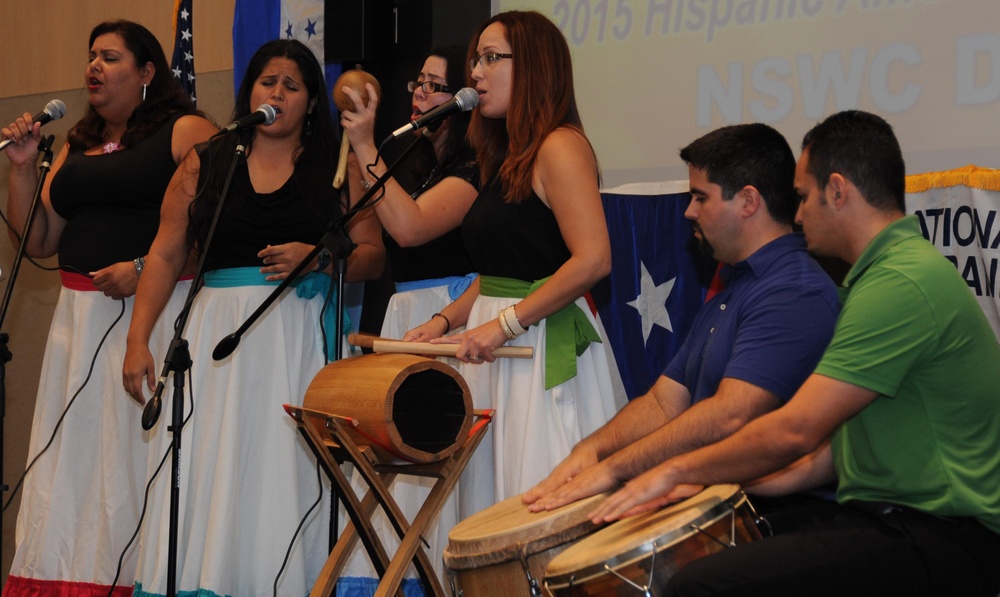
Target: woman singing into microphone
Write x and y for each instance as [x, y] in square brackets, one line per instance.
[423, 206]
[538, 238]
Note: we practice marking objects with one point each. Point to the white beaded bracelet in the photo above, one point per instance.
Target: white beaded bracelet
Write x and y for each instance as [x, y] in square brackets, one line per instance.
[509, 324]
[502, 318]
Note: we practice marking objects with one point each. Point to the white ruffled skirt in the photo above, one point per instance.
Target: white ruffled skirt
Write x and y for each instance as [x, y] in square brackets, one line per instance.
[247, 477]
[81, 501]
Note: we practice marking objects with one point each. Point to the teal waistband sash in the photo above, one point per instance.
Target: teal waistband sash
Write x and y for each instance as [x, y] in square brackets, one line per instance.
[568, 332]
[456, 284]
[308, 286]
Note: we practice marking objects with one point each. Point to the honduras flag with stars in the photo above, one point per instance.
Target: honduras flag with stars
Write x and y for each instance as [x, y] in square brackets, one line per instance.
[258, 21]
[658, 279]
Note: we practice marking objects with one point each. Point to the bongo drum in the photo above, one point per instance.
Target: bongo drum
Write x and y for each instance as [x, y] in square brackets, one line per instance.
[504, 549]
[637, 556]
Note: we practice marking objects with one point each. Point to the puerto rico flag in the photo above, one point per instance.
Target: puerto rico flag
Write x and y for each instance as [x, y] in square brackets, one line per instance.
[658, 279]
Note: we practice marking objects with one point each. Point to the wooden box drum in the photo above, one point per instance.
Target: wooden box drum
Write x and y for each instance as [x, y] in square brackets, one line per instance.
[408, 407]
[637, 556]
[504, 549]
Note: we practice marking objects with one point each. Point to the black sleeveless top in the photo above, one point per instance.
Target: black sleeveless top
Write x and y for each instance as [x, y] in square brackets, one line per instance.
[111, 202]
[250, 220]
[513, 240]
[443, 256]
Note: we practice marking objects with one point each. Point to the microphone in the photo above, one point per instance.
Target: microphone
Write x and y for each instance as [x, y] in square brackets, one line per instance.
[264, 114]
[465, 100]
[54, 110]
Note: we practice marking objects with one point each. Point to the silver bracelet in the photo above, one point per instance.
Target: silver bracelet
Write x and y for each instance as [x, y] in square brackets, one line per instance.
[139, 263]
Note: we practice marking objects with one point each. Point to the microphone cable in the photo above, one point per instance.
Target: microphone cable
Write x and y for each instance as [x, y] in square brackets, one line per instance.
[149, 486]
[17, 235]
[298, 529]
[65, 411]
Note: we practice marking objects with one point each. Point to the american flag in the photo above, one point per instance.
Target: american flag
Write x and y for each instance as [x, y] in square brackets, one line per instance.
[182, 62]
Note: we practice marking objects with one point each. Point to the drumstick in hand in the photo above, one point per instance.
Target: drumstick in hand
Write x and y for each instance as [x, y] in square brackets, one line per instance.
[378, 344]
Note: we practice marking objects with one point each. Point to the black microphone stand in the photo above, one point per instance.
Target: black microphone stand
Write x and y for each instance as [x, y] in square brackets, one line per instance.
[339, 244]
[45, 148]
[178, 361]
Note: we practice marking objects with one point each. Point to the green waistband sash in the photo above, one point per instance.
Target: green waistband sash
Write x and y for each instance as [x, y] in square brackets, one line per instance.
[568, 332]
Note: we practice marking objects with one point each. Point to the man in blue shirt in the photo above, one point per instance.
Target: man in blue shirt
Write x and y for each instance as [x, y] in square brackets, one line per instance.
[902, 411]
[751, 345]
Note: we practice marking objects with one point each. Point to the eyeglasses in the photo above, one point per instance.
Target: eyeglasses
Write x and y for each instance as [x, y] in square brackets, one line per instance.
[427, 86]
[488, 59]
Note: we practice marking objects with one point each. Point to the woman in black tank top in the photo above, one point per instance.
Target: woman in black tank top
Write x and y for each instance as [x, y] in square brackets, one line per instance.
[539, 241]
[99, 211]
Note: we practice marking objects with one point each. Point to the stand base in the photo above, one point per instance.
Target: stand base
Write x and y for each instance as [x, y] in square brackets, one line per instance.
[326, 435]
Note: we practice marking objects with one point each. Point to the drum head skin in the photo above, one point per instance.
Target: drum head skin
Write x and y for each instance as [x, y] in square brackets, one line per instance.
[635, 538]
[509, 531]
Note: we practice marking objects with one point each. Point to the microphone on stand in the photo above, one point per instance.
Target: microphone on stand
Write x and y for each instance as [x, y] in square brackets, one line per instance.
[465, 100]
[54, 110]
[264, 114]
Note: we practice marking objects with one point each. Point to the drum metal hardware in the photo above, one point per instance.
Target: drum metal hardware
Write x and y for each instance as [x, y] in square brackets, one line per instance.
[732, 532]
[649, 583]
[638, 555]
[533, 588]
[455, 591]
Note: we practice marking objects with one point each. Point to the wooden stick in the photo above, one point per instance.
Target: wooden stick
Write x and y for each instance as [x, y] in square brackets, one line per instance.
[378, 344]
[341, 173]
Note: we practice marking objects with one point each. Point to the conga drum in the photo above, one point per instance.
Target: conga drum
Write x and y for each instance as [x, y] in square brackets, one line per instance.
[504, 549]
[637, 555]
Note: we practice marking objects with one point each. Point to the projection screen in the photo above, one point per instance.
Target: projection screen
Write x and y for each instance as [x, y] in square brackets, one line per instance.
[652, 75]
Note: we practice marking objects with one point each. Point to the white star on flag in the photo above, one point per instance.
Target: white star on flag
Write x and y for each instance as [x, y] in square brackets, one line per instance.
[303, 20]
[182, 60]
[652, 303]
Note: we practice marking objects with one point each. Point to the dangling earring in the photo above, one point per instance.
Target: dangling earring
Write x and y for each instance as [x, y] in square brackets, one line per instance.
[309, 126]
[143, 92]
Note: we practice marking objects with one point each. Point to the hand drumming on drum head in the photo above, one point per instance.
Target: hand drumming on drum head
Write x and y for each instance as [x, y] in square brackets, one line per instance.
[279, 260]
[653, 489]
[579, 476]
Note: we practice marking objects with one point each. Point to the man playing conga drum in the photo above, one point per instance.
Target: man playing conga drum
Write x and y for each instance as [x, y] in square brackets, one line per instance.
[751, 346]
[903, 410]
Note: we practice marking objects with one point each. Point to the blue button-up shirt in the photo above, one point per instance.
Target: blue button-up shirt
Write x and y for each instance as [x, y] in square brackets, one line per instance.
[769, 326]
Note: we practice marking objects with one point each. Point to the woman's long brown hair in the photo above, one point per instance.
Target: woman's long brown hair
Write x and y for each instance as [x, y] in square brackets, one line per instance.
[542, 100]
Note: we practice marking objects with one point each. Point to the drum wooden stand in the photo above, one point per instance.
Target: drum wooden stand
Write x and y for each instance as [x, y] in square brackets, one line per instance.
[328, 437]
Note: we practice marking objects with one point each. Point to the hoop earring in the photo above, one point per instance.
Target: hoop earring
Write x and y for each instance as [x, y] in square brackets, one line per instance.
[143, 92]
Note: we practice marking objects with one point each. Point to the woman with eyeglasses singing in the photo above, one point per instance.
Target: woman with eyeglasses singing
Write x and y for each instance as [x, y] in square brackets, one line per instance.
[426, 199]
[538, 238]
[423, 207]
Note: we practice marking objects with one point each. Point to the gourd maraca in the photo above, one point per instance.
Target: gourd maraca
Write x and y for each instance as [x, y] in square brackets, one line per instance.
[355, 79]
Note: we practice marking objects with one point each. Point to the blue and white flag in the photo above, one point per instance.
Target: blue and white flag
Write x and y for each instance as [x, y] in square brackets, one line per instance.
[658, 279]
[182, 60]
[258, 21]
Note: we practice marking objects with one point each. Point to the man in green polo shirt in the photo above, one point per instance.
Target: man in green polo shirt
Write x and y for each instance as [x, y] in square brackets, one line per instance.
[903, 411]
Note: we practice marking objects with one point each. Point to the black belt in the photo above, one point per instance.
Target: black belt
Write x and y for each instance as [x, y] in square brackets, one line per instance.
[887, 509]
